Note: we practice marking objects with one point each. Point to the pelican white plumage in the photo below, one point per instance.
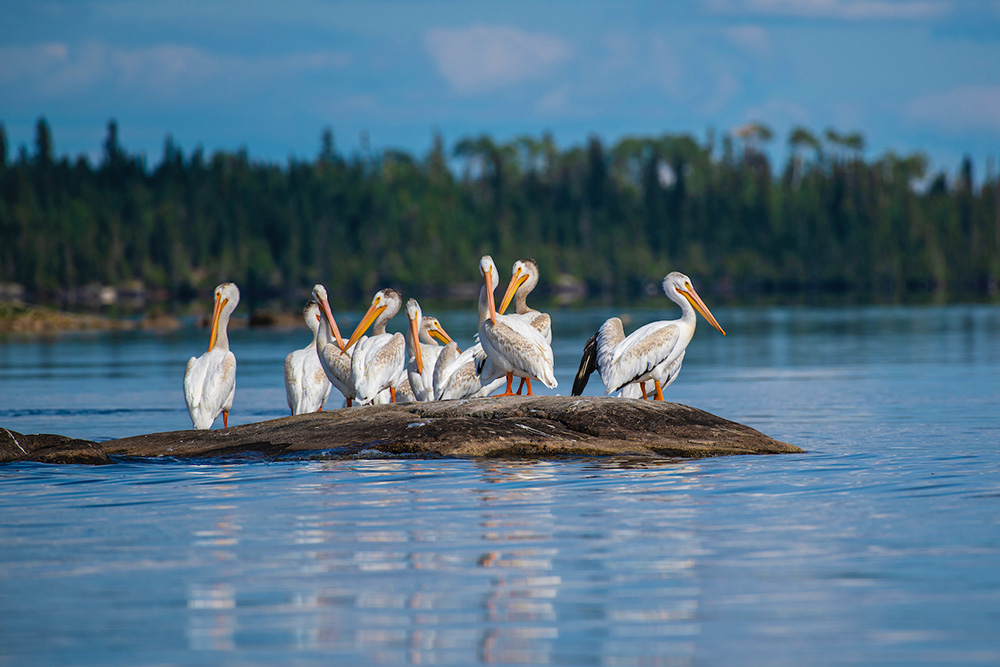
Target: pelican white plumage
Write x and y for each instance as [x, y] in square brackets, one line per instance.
[423, 350]
[514, 346]
[651, 352]
[306, 384]
[523, 279]
[210, 380]
[379, 360]
[468, 374]
[330, 348]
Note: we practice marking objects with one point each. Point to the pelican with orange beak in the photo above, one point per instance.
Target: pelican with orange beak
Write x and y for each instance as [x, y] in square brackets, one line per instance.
[514, 346]
[210, 380]
[523, 279]
[334, 357]
[651, 352]
[306, 384]
[423, 350]
[379, 360]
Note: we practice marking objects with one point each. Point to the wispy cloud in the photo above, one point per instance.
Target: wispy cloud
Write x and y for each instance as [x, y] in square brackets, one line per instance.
[485, 58]
[857, 10]
[959, 109]
[58, 70]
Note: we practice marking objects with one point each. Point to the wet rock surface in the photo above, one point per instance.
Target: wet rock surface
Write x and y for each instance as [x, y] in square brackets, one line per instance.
[508, 427]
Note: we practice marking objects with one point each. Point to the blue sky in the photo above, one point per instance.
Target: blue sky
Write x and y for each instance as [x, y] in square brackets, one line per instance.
[909, 74]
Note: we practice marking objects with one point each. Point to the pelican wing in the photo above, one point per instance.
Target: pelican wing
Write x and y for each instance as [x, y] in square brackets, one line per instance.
[306, 385]
[293, 388]
[422, 384]
[634, 358]
[209, 386]
[337, 366]
[537, 320]
[376, 363]
[518, 347]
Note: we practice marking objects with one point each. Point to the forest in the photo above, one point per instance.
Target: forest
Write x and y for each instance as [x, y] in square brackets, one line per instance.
[603, 221]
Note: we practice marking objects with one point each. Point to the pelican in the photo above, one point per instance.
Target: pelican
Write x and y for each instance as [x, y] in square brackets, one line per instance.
[468, 374]
[515, 347]
[651, 352]
[379, 361]
[523, 279]
[306, 384]
[210, 380]
[423, 350]
[333, 356]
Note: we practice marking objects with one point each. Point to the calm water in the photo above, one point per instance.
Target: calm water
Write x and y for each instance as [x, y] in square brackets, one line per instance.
[881, 544]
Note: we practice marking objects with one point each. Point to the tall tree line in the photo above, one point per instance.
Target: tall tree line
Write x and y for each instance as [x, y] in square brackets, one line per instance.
[613, 217]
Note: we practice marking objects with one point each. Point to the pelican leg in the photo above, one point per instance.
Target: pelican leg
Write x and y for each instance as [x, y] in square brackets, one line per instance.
[521, 386]
[392, 394]
[225, 419]
[348, 402]
[642, 387]
[528, 380]
[510, 381]
[659, 391]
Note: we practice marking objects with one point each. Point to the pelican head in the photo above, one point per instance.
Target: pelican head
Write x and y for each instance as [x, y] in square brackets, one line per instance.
[311, 314]
[385, 304]
[227, 296]
[523, 273]
[434, 331]
[677, 286]
[488, 270]
[319, 293]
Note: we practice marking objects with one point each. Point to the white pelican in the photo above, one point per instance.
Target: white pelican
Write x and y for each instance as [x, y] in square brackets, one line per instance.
[515, 347]
[210, 380]
[651, 352]
[468, 374]
[306, 384]
[423, 350]
[379, 361]
[523, 279]
[336, 361]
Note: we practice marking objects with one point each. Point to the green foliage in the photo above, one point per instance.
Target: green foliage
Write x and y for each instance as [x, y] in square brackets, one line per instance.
[615, 217]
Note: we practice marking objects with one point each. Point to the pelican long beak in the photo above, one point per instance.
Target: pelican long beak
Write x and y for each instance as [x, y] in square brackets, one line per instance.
[325, 305]
[417, 354]
[699, 305]
[216, 314]
[437, 332]
[488, 278]
[515, 283]
[373, 312]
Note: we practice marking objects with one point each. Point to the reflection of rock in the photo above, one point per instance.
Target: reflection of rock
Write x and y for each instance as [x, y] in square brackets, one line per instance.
[514, 427]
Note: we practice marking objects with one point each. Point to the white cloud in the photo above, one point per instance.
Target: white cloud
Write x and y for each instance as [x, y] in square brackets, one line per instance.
[960, 109]
[838, 9]
[57, 70]
[486, 58]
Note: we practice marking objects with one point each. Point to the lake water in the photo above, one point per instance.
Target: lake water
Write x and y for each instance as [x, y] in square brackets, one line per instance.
[881, 544]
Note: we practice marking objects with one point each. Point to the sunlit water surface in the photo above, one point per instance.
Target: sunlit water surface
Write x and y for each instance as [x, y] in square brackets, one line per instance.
[881, 544]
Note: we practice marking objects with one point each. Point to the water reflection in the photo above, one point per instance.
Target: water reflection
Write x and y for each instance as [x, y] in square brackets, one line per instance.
[398, 572]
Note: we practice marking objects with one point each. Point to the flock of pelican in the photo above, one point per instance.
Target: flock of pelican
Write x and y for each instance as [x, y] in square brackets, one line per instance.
[426, 364]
